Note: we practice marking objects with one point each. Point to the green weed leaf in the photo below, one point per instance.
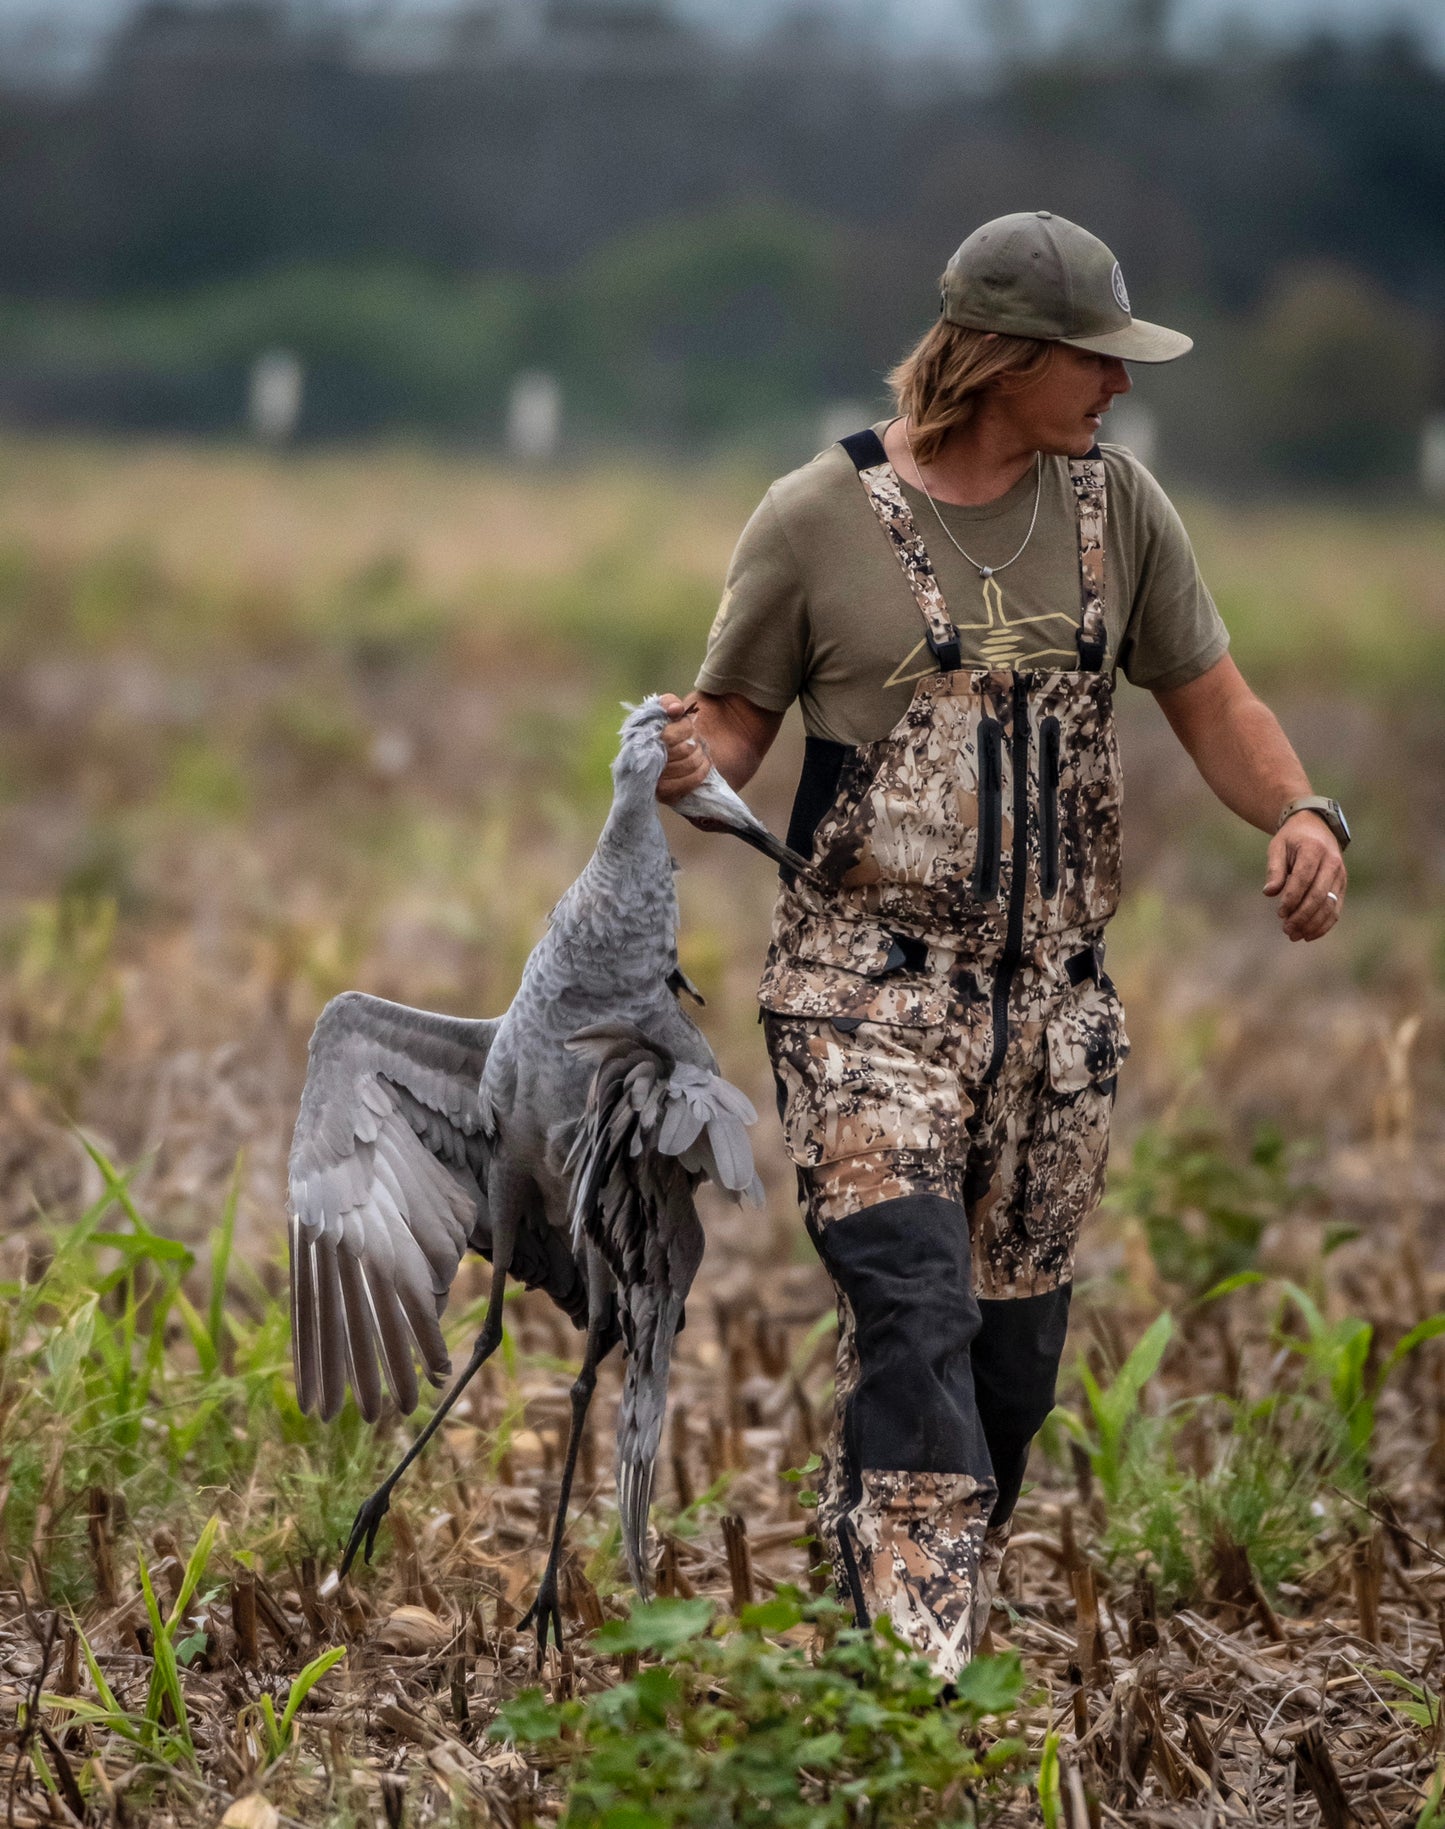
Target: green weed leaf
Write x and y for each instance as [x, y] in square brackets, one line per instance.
[529, 1719]
[991, 1685]
[664, 1626]
[777, 1615]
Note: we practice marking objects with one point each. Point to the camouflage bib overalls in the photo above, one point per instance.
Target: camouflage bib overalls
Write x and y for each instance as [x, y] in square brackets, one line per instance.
[946, 1043]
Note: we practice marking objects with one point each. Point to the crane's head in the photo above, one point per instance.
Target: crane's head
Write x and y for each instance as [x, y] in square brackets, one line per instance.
[712, 806]
[641, 755]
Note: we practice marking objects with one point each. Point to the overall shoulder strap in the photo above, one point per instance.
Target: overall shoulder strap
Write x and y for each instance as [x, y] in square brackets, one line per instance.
[1091, 499]
[885, 497]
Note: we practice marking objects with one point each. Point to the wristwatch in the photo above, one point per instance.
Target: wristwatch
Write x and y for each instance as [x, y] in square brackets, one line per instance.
[1330, 811]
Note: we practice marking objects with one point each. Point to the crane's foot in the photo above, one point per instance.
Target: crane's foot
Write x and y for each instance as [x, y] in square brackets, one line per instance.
[545, 1616]
[367, 1524]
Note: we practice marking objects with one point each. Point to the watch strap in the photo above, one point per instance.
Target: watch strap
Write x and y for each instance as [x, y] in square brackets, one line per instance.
[1328, 810]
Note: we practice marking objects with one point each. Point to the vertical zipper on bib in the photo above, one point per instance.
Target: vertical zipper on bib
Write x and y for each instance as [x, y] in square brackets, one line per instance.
[849, 1556]
[852, 1494]
[990, 809]
[1049, 806]
[1014, 936]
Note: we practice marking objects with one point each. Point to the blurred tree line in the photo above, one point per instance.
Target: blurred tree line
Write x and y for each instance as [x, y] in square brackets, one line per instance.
[704, 243]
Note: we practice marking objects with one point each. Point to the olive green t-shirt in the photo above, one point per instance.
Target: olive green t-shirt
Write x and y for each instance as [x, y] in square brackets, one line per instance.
[816, 606]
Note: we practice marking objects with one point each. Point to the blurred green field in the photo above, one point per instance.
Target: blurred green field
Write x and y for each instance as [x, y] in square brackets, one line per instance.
[274, 726]
[310, 720]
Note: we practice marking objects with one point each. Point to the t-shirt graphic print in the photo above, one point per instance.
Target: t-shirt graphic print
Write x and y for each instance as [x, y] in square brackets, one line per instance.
[816, 607]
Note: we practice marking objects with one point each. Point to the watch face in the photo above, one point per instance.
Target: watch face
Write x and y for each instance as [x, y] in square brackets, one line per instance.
[1339, 813]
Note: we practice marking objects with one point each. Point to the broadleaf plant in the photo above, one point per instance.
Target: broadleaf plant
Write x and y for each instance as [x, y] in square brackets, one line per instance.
[788, 1718]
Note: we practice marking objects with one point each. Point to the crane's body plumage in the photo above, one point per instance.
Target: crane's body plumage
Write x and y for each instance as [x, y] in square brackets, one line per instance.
[563, 1141]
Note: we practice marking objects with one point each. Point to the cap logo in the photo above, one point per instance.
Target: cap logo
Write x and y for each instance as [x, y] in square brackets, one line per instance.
[1116, 280]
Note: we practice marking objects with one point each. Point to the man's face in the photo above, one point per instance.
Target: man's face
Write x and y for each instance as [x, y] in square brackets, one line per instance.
[1060, 414]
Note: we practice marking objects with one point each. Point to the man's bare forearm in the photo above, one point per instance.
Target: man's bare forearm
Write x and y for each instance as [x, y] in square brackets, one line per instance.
[737, 733]
[1237, 744]
[728, 732]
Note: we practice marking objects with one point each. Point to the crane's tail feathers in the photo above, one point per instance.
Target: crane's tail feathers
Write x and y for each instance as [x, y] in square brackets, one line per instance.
[653, 1318]
[643, 1105]
[634, 1502]
[706, 1127]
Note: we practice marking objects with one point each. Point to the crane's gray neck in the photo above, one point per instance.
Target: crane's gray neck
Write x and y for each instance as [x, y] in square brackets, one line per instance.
[632, 824]
[626, 891]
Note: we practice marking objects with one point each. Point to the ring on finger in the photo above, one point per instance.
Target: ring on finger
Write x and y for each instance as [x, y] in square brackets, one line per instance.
[1330, 896]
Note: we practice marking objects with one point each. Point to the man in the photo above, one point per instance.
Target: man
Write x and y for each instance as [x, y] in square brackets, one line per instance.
[943, 1034]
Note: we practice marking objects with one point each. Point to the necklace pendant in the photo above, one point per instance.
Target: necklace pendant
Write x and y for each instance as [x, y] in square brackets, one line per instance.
[985, 571]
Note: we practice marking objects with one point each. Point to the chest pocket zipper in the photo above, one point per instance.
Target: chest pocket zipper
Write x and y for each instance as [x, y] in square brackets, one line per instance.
[1049, 807]
[990, 809]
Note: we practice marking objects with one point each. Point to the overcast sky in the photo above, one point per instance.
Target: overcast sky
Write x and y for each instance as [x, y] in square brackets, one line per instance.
[941, 20]
[906, 23]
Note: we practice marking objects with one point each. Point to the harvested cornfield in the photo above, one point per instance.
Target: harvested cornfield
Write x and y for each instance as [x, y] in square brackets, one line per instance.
[273, 728]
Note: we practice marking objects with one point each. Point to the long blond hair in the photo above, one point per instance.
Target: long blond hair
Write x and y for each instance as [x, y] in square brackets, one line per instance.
[938, 383]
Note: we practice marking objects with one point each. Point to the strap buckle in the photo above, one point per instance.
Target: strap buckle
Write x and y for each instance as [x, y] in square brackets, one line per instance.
[1091, 652]
[906, 953]
[1089, 964]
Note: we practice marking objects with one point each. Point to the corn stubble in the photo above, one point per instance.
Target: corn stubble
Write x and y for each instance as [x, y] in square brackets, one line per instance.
[1226, 1597]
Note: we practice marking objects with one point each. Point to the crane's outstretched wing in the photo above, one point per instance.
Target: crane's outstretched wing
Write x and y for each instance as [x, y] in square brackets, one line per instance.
[653, 1128]
[387, 1177]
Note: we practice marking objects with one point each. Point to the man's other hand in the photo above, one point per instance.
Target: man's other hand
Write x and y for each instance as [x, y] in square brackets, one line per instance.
[1304, 868]
[688, 756]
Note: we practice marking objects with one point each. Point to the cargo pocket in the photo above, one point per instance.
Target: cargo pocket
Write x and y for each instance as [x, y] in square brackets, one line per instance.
[866, 1042]
[854, 972]
[1085, 1038]
[868, 1088]
[1068, 1153]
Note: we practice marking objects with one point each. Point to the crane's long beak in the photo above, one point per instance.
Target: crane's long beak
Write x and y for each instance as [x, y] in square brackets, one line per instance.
[714, 805]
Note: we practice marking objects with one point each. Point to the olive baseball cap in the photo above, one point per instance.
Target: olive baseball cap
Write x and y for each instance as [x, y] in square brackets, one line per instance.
[1035, 274]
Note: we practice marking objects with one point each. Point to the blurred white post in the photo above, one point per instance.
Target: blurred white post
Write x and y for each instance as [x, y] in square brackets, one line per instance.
[1134, 426]
[534, 416]
[839, 418]
[274, 399]
[1432, 457]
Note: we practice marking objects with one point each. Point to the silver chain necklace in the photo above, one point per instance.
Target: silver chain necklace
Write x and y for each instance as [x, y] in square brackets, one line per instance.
[984, 571]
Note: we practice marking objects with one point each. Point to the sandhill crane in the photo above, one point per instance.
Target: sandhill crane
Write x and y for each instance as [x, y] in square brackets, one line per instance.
[563, 1141]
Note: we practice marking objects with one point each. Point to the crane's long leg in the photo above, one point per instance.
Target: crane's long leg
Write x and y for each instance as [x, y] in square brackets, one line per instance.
[545, 1612]
[506, 1193]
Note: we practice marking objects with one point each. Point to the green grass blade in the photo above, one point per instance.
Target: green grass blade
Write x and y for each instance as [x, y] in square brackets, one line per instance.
[1429, 1329]
[1121, 1400]
[117, 1185]
[1432, 1816]
[1313, 1319]
[305, 1683]
[1051, 1804]
[162, 1302]
[97, 1676]
[78, 1708]
[202, 1343]
[165, 1672]
[1242, 1279]
[275, 1745]
[195, 1569]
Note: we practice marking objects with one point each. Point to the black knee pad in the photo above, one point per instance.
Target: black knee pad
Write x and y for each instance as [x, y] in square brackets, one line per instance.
[904, 1266]
[1015, 1369]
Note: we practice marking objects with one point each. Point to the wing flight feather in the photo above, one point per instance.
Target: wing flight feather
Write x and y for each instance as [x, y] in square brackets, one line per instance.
[386, 1177]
